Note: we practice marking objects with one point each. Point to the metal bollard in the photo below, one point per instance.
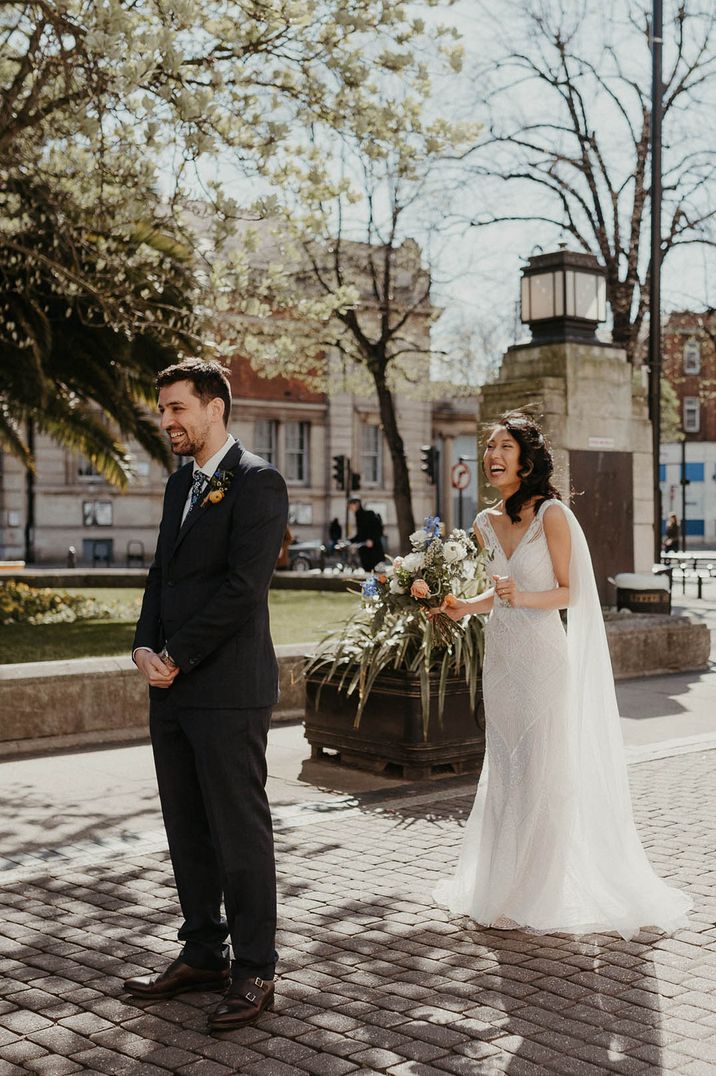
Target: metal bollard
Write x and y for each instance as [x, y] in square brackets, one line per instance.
[71, 557]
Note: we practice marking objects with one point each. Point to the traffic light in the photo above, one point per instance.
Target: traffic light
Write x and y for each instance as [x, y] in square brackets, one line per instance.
[339, 471]
[428, 462]
[355, 482]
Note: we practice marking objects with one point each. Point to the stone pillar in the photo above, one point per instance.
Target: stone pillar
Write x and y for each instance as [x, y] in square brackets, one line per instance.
[594, 412]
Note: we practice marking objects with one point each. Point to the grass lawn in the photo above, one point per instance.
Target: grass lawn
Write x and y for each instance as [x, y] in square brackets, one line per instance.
[296, 617]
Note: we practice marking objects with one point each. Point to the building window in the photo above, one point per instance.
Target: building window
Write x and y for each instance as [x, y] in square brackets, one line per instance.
[300, 514]
[97, 513]
[371, 455]
[265, 437]
[692, 356]
[695, 472]
[296, 463]
[692, 414]
[86, 470]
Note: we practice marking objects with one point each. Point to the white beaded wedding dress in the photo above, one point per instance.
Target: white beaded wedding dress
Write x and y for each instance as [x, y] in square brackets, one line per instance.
[550, 845]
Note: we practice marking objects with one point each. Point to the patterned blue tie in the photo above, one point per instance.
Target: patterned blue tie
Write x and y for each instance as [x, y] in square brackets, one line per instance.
[197, 485]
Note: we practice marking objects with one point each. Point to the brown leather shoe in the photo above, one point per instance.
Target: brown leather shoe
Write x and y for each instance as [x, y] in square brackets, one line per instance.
[243, 1003]
[177, 979]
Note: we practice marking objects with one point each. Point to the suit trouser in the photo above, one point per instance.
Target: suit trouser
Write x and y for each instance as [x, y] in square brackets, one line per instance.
[211, 772]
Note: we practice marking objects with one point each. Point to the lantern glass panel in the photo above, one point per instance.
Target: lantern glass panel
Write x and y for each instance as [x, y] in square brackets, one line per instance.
[559, 293]
[525, 298]
[586, 296]
[541, 296]
[569, 291]
[601, 299]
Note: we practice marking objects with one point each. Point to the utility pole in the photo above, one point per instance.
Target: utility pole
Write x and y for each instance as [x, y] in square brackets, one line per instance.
[657, 88]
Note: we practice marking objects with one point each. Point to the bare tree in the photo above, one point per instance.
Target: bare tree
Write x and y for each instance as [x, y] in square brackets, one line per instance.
[567, 137]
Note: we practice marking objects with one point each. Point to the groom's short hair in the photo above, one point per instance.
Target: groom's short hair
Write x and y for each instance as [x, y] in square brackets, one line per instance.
[209, 378]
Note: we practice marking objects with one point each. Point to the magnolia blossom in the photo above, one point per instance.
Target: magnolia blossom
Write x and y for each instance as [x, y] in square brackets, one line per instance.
[413, 562]
[420, 589]
[454, 551]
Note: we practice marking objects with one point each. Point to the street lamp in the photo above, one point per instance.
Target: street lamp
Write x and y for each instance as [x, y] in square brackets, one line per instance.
[563, 297]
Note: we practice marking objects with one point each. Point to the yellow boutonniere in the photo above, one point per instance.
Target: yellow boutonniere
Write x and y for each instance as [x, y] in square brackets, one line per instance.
[218, 487]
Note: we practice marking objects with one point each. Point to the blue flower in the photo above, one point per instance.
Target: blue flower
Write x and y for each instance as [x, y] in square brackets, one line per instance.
[432, 526]
[370, 587]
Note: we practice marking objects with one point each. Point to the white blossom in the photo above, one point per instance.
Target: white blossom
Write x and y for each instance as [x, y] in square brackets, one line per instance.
[413, 562]
[454, 551]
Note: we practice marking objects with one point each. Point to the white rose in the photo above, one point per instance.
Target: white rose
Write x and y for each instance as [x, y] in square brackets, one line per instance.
[454, 551]
[395, 587]
[413, 562]
[419, 537]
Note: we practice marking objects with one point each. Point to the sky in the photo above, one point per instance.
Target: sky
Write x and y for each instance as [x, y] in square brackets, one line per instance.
[476, 273]
[491, 258]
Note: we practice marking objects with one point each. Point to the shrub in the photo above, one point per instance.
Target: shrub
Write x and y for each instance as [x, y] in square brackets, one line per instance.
[22, 604]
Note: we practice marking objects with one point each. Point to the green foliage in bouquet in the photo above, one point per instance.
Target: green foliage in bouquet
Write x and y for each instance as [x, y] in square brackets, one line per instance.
[21, 604]
[392, 629]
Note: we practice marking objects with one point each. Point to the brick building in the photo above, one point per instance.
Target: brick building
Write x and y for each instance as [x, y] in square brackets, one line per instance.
[689, 364]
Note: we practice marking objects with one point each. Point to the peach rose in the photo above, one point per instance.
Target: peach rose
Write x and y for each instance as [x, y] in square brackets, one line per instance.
[420, 589]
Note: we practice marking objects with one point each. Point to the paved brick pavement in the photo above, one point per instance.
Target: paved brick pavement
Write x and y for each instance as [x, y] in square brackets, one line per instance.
[374, 977]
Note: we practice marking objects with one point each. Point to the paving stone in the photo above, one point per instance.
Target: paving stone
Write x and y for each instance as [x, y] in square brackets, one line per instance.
[204, 1067]
[53, 1065]
[384, 983]
[8, 1069]
[24, 1023]
[378, 1059]
[269, 1067]
[22, 1050]
[168, 1057]
[416, 1068]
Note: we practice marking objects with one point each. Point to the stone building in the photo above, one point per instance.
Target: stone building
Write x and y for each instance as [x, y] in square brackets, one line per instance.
[296, 428]
[689, 363]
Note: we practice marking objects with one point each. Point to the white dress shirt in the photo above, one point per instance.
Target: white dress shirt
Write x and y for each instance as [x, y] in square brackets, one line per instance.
[208, 469]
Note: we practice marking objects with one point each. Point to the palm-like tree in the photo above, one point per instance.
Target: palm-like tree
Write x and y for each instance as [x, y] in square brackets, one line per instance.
[88, 318]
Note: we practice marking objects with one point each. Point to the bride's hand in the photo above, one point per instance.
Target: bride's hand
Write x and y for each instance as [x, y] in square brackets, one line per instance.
[506, 590]
[452, 607]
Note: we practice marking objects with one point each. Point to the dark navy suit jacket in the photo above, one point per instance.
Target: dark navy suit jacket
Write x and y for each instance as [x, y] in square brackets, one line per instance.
[206, 596]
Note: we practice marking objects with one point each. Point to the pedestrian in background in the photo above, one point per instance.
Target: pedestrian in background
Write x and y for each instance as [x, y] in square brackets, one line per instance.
[368, 536]
[673, 532]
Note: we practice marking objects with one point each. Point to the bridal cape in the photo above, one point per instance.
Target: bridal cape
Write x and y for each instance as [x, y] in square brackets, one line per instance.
[550, 845]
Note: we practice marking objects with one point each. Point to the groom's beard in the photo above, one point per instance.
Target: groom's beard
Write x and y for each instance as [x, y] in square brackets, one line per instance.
[188, 444]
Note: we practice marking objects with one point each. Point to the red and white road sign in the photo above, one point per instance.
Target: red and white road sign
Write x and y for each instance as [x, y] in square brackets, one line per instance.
[460, 476]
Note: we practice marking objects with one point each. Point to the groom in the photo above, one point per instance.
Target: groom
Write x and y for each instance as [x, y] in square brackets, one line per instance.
[204, 648]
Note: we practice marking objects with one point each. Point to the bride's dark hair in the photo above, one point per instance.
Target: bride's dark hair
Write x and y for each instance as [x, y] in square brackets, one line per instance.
[536, 463]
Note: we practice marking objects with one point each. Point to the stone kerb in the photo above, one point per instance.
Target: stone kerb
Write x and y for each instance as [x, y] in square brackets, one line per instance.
[49, 705]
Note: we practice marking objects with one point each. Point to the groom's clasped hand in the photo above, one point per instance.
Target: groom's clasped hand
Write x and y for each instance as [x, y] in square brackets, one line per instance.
[156, 670]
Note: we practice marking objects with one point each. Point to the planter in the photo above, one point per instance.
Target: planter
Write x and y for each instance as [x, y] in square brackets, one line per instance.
[390, 735]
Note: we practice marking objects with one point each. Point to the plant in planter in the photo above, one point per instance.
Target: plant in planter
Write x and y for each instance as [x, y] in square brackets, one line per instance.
[394, 686]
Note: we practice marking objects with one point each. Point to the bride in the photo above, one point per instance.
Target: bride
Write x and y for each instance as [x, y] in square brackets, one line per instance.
[550, 845]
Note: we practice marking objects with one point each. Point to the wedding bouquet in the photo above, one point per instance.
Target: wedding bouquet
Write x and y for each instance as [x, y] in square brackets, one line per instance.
[392, 629]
